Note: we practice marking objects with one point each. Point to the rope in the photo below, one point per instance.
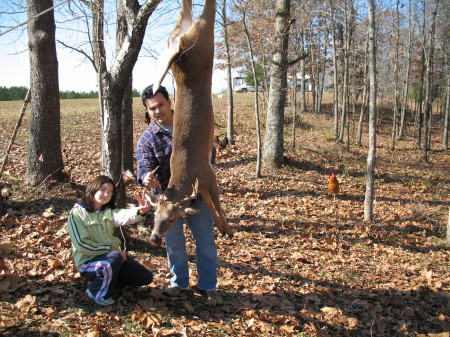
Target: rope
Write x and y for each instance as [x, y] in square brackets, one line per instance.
[34, 17]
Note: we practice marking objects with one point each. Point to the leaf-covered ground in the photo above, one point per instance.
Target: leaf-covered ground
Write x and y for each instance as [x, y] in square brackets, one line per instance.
[300, 264]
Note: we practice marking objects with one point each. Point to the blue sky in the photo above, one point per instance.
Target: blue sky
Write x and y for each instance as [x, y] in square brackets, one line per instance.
[75, 71]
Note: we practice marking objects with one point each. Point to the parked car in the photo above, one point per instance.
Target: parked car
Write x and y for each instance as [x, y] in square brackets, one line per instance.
[246, 88]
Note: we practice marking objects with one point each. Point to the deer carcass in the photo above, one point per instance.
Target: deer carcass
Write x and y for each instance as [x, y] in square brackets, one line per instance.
[190, 56]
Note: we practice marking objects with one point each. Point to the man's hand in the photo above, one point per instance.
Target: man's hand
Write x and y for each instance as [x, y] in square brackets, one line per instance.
[150, 180]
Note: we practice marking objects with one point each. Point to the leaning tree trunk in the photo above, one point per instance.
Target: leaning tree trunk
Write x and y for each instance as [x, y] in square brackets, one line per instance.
[371, 157]
[273, 140]
[364, 95]
[335, 76]
[44, 145]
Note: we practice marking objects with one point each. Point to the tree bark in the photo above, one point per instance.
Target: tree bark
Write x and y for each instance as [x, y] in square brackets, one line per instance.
[402, 126]
[44, 145]
[230, 112]
[364, 95]
[396, 66]
[428, 93]
[257, 119]
[335, 75]
[273, 140]
[448, 227]
[127, 102]
[446, 115]
[371, 157]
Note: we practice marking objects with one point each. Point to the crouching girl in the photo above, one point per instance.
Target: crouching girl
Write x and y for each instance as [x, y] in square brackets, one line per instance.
[96, 251]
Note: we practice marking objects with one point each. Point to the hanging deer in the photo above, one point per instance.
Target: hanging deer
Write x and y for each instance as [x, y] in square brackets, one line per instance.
[190, 56]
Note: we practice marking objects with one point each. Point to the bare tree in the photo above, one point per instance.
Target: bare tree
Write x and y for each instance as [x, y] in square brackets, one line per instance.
[44, 145]
[428, 80]
[273, 140]
[371, 157]
[406, 86]
[230, 114]
[257, 118]
[396, 76]
[335, 71]
[113, 82]
[446, 115]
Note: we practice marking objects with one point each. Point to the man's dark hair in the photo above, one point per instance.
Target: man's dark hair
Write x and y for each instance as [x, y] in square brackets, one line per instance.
[148, 93]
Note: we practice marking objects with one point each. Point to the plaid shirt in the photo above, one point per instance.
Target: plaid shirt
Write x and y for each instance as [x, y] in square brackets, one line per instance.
[154, 149]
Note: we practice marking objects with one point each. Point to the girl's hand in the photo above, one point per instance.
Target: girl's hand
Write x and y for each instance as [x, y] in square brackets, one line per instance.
[144, 204]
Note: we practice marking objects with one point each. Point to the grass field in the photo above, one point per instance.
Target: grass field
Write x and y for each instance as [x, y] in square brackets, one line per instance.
[301, 263]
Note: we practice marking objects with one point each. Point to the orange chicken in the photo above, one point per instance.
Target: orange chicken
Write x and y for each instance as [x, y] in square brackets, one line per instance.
[333, 185]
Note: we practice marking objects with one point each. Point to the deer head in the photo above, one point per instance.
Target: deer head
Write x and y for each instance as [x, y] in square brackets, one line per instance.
[168, 212]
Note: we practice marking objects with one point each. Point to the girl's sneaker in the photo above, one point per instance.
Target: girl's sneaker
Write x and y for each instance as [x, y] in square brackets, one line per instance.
[105, 301]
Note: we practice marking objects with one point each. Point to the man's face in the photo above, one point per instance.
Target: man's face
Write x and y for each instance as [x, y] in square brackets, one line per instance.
[160, 109]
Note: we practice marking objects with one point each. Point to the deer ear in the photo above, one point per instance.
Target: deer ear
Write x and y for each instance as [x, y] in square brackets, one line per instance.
[188, 211]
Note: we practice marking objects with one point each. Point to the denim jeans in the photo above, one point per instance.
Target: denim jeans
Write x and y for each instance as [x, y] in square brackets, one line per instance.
[201, 226]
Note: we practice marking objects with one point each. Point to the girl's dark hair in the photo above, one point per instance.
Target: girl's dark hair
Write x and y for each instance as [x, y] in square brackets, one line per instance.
[94, 186]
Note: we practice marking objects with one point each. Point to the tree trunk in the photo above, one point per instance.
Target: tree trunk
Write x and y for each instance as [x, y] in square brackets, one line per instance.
[371, 157]
[420, 112]
[428, 93]
[364, 95]
[257, 119]
[44, 145]
[448, 227]
[446, 115]
[273, 141]
[230, 113]
[302, 76]
[335, 75]
[127, 102]
[402, 126]
[294, 105]
[396, 66]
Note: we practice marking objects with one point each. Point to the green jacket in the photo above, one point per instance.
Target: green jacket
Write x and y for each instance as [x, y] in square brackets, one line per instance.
[92, 232]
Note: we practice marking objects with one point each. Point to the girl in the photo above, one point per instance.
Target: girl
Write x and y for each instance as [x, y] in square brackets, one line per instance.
[96, 251]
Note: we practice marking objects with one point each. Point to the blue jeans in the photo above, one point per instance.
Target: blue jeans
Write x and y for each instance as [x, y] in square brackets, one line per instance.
[201, 226]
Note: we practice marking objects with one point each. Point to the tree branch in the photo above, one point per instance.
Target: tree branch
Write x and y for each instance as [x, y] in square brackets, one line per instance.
[81, 51]
[297, 59]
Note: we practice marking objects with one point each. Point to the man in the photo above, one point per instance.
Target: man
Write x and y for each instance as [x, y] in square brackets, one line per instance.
[154, 149]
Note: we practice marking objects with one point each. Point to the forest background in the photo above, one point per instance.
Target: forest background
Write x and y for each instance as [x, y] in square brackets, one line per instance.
[302, 263]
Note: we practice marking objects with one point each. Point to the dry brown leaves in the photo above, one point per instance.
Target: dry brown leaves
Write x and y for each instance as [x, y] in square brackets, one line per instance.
[301, 264]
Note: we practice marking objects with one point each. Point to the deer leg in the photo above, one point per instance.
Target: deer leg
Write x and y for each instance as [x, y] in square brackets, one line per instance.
[166, 60]
[207, 199]
[214, 204]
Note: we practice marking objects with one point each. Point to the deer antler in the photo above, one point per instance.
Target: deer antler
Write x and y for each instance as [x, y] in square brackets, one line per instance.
[193, 195]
